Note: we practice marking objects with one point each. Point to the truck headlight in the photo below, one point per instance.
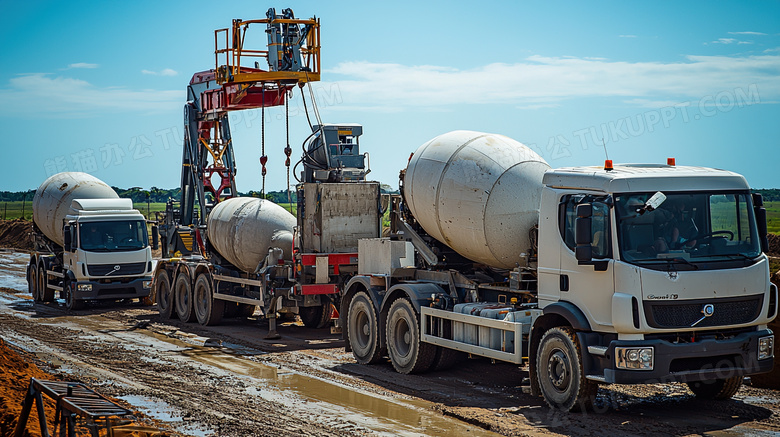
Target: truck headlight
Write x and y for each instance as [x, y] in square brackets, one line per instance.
[147, 284]
[84, 287]
[634, 358]
[766, 347]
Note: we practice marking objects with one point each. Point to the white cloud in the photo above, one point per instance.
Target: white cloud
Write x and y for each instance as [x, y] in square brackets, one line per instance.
[40, 94]
[164, 72]
[82, 65]
[746, 33]
[725, 41]
[546, 81]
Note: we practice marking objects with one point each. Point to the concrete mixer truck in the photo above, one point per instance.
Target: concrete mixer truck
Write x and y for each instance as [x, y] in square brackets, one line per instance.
[88, 243]
[616, 274]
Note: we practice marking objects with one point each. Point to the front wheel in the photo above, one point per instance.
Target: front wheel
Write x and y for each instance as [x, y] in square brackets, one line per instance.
[71, 303]
[716, 389]
[559, 370]
[208, 310]
[183, 297]
[163, 294]
[407, 352]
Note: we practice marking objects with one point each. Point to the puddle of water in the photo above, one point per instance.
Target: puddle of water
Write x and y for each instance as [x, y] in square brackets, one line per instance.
[160, 410]
[12, 270]
[380, 414]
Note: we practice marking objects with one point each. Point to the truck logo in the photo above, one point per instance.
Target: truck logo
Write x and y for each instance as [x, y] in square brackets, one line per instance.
[116, 267]
[707, 311]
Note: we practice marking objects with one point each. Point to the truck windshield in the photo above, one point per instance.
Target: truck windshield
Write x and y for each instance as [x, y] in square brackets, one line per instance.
[113, 235]
[687, 231]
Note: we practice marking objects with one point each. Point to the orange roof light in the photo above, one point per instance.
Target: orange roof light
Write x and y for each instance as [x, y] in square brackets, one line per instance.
[670, 161]
[608, 164]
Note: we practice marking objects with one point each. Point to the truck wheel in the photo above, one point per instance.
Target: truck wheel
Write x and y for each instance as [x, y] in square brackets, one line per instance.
[716, 389]
[316, 317]
[71, 303]
[163, 294]
[45, 293]
[32, 283]
[407, 353]
[363, 329]
[208, 310]
[182, 296]
[560, 373]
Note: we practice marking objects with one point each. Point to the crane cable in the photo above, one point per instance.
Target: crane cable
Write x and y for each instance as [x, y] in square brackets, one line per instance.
[287, 149]
[263, 157]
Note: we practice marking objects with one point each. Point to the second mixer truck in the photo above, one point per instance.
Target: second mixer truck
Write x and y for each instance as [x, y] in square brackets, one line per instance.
[88, 243]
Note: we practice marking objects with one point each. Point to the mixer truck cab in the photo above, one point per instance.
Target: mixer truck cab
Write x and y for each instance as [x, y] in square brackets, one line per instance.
[88, 243]
[660, 271]
[106, 253]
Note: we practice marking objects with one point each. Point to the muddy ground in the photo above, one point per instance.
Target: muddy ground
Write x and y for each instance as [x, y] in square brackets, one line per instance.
[228, 381]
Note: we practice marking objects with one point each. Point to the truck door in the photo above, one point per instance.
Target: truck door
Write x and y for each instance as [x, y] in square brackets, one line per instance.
[589, 286]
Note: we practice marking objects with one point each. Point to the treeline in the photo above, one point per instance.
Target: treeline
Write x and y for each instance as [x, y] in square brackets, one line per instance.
[161, 195]
[769, 195]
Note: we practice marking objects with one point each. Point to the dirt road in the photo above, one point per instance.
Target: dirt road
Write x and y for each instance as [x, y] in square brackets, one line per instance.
[228, 381]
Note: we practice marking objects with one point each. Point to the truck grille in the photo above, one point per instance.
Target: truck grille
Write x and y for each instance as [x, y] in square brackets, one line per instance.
[728, 311]
[124, 269]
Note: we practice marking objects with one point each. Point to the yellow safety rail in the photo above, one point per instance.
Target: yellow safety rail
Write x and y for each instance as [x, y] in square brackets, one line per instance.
[233, 52]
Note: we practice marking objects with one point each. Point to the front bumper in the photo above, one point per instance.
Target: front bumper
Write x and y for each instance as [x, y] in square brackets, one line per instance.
[114, 290]
[705, 359]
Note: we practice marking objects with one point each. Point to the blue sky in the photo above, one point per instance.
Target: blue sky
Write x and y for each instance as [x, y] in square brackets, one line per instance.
[100, 86]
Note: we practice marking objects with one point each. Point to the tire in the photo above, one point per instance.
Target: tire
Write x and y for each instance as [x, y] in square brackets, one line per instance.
[363, 329]
[316, 317]
[559, 370]
[45, 293]
[446, 358]
[182, 297]
[71, 303]
[164, 294]
[407, 353]
[716, 389]
[208, 310]
[32, 283]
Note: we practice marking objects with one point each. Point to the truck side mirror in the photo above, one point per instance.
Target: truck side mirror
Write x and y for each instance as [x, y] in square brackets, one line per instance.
[155, 237]
[760, 213]
[582, 232]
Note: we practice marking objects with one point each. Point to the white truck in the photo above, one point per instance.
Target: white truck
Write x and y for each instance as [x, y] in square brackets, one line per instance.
[88, 243]
[617, 274]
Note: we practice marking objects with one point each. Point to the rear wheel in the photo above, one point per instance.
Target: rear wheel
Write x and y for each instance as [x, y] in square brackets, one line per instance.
[208, 310]
[560, 373]
[183, 297]
[363, 329]
[32, 283]
[716, 389]
[45, 293]
[407, 353]
[316, 317]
